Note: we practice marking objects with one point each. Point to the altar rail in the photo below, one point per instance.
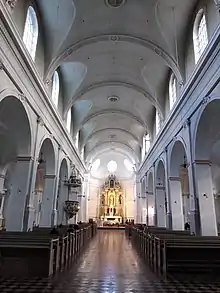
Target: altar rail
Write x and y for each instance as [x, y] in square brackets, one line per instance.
[170, 252]
[40, 254]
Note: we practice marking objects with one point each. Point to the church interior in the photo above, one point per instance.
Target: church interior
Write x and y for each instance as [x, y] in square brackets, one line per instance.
[109, 146]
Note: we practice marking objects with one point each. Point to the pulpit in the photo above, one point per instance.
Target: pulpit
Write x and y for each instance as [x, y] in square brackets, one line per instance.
[111, 201]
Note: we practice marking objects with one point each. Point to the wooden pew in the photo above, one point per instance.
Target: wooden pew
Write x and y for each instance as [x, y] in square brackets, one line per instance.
[189, 254]
[25, 255]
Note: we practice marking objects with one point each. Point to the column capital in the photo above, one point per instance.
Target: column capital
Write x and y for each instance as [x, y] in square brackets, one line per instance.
[159, 187]
[11, 3]
[2, 176]
[24, 159]
[202, 162]
[49, 176]
[174, 178]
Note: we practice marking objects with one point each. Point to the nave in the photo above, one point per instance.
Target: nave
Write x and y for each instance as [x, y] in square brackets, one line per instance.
[108, 265]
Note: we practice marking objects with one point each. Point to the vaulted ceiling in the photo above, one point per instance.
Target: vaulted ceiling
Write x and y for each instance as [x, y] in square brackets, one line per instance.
[114, 62]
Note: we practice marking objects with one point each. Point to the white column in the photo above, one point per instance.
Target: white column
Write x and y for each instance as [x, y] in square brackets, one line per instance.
[47, 201]
[167, 193]
[160, 201]
[2, 197]
[14, 213]
[138, 201]
[206, 197]
[176, 203]
[86, 194]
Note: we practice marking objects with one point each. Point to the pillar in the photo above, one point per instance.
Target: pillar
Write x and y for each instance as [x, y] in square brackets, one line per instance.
[193, 196]
[176, 203]
[138, 201]
[48, 201]
[206, 197]
[167, 193]
[2, 198]
[14, 213]
[160, 202]
[86, 197]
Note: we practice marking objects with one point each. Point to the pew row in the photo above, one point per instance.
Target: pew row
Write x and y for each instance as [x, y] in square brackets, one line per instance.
[170, 252]
[28, 254]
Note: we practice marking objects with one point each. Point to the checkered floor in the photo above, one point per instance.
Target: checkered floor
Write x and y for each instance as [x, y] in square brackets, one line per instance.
[109, 265]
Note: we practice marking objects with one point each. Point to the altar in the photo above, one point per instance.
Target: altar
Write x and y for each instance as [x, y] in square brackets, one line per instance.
[111, 201]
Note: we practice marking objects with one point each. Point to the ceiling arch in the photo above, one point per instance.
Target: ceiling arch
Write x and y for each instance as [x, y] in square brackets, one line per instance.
[113, 129]
[116, 150]
[93, 86]
[112, 144]
[114, 111]
[160, 52]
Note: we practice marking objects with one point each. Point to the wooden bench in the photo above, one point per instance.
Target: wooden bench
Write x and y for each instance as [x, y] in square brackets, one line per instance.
[188, 255]
[22, 255]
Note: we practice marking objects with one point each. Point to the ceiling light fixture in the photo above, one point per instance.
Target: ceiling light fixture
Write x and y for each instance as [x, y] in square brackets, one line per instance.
[115, 3]
[113, 99]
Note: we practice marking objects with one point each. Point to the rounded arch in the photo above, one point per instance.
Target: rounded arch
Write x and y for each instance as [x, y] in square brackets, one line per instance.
[91, 87]
[62, 193]
[207, 130]
[119, 151]
[15, 129]
[123, 38]
[132, 136]
[114, 111]
[200, 34]
[160, 173]
[178, 158]
[122, 145]
[47, 154]
[150, 182]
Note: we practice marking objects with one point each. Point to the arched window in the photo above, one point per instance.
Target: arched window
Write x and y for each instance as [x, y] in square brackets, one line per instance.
[200, 35]
[68, 120]
[146, 145]
[172, 90]
[158, 122]
[77, 140]
[55, 88]
[31, 32]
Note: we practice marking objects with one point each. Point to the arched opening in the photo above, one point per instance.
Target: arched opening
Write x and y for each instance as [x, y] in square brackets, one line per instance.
[45, 185]
[30, 35]
[207, 168]
[15, 162]
[150, 201]
[69, 120]
[161, 202]
[55, 88]
[158, 122]
[146, 145]
[172, 90]
[179, 187]
[200, 34]
[62, 194]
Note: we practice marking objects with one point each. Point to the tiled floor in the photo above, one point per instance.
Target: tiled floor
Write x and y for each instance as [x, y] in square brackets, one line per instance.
[109, 265]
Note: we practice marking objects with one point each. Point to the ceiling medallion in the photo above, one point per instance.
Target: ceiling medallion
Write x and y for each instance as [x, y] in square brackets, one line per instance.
[115, 3]
[113, 99]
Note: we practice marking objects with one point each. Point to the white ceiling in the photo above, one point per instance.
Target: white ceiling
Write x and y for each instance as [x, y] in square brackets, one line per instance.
[125, 52]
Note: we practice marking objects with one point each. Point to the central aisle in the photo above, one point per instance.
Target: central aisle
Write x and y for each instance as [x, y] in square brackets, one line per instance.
[111, 265]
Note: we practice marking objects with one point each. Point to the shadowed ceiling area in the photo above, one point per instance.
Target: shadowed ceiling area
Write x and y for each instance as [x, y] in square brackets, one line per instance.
[114, 57]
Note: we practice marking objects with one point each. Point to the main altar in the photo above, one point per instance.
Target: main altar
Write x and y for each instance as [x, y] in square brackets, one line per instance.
[111, 201]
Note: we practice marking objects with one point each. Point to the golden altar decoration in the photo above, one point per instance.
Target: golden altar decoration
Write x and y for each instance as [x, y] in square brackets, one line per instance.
[111, 200]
